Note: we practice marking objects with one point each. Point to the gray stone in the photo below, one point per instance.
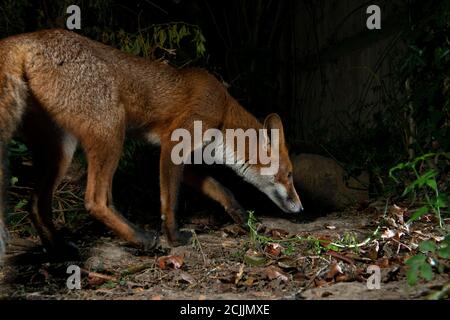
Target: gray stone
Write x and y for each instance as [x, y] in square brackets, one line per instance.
[322, 182]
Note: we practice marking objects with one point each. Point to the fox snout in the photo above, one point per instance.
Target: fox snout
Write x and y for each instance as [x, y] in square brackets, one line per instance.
[292, 204]
[286, 198]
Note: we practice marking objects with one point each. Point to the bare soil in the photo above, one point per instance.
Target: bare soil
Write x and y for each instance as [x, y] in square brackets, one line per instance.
[217, 266]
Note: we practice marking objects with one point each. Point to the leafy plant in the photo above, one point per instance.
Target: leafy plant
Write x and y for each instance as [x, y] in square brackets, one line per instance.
[426, 183]
[161, 41]
[430, 258]
[424, 69]
[17, 148]
[316, 245]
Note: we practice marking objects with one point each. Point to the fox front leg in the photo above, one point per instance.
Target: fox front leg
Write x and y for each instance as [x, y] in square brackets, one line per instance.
[171, 176]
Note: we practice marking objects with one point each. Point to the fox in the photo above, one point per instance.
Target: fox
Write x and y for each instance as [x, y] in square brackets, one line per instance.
[66, 91]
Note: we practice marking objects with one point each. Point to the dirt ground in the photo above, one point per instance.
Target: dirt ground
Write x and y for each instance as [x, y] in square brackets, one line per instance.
[225, 263]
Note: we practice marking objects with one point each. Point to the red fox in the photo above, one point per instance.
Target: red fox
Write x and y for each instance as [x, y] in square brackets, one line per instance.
[65, 89]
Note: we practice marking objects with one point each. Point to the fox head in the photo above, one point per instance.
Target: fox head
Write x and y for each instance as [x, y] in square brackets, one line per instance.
[274, 177]
[279, 186]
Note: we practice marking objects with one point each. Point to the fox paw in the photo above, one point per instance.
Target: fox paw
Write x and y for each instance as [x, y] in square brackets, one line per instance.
[239, 216]
[148, 240]
[63, 251]
[181, 238]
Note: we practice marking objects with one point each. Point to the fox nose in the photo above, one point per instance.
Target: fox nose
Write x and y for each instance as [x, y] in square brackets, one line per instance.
[300, 208]
[297, 208]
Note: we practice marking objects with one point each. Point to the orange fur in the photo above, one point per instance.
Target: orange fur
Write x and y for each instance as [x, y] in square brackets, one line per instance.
[75, 90]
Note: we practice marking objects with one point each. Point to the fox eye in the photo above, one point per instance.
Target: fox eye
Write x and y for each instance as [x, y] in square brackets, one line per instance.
[290, 175]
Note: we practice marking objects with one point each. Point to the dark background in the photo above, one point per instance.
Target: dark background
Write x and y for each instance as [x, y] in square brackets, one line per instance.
[366, 98]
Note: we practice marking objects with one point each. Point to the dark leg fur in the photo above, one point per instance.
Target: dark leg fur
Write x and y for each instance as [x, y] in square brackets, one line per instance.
[13, 95]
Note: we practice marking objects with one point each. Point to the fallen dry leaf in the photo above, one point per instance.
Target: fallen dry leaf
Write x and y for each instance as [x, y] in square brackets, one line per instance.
[249, 282]
[274, 249]
[174, 262]
[383, 262]
[95, 282]
[273, 272]
[234, 230]
[335, 270]
[372, 253]
[399, 213]
[254, 258]
[299, 277]
[388, 233]
[239, 274]
[342, 278]
[278, 234]
[324, 240]
[319, 282]
[287, 263]
[187, 278]
[97, 279]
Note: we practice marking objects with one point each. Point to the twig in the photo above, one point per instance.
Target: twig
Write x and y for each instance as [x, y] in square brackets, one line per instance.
[157, 7]
[312, 279]
[401, 244]
[341, 257]
[138, 268]
[203, 278]
[90, 274]
[199, 245]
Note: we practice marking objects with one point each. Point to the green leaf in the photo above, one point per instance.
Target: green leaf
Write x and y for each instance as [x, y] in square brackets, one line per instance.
[432, 184]
[427, 246]
[409, 188]
[444, 252]
[441, 201]
[14, 180]
[332, 247]
[416, 260]
[447, 238]
[255, 260]
[426, 271]
[419, 213]
[412, 276]
[162, 38]
[400, 166]
[427, 178]
[183, 31]
[22, 203]
[424, 157]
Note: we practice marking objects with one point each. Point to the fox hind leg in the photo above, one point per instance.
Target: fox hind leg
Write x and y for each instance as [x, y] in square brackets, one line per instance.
[213, 189]
[52, 150]
[171, 176]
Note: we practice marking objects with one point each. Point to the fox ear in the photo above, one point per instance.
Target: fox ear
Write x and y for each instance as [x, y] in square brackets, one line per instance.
[273, 121]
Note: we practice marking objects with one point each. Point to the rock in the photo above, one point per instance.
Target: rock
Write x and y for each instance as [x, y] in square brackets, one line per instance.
[321, 181]
[108, 256]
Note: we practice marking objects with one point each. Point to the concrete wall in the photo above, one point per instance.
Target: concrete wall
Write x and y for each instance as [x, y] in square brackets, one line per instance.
[343, 71]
